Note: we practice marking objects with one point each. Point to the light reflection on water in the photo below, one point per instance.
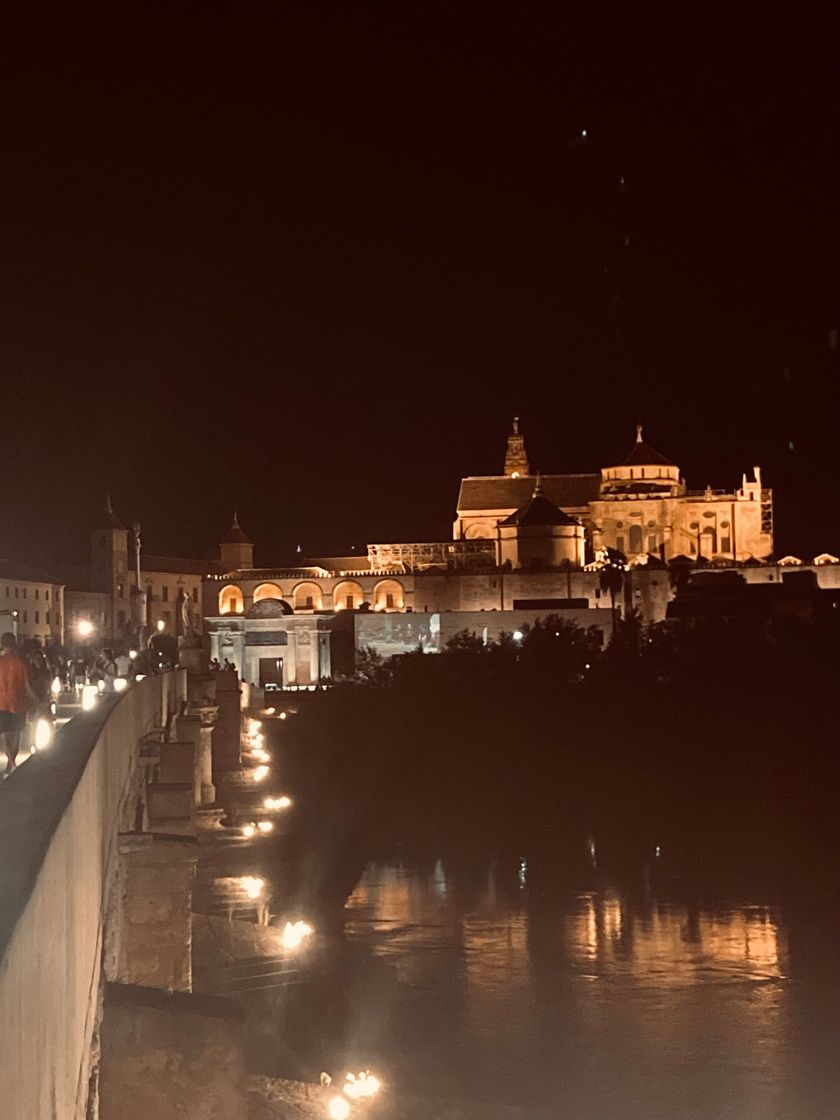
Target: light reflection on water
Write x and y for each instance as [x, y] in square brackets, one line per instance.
[597, 1003]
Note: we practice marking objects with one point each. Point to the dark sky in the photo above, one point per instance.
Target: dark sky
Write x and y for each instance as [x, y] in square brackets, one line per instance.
[309, 266]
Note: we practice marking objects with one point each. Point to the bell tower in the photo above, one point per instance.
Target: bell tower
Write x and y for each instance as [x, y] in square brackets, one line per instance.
[516, 461]
[109, 569]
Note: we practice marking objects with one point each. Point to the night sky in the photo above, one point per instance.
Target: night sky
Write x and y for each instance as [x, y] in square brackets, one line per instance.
[309, 266]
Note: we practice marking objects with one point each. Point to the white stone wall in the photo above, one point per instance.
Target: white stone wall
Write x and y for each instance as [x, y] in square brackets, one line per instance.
[53, 901]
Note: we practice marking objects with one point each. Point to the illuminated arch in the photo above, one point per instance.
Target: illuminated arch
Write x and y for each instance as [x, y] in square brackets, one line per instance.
[348, 595]
[389, 595]
[231, 600]
[268, 591]
[307, 596]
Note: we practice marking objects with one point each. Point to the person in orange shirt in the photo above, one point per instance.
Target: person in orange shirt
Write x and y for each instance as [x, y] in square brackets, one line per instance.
[15, 698]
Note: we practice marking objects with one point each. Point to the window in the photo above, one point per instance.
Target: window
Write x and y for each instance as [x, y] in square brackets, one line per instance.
[307, 603]
[48, 618]
[24, 592]
[37, 592]
[121, 618]
[652, 543]
[165, 593]
[348, 602]
[26, 616]
[635, 538]
[597, 592]
[17, 592]
[37, 617]
[195, 594]
[726, 544]
[389, 601]
[619, 543]
[47, 594]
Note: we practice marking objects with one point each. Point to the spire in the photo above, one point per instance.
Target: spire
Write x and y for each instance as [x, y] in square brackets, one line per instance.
[110, 519]
[516, 461]
[639, 433]
[236, 534]
[537, 486]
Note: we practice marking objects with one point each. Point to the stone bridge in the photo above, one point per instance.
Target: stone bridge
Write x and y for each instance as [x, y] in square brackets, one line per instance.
[97, 857]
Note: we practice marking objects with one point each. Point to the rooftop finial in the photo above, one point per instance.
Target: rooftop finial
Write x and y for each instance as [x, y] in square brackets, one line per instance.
[108, 507]
[639, 433]
[516, 425]
[538, 486]
[236, 520]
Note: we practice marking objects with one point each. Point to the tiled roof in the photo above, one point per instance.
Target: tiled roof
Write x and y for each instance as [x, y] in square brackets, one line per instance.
[235, 533]
[14, 569]
[643, 455]
[539, 511]
[567, 491]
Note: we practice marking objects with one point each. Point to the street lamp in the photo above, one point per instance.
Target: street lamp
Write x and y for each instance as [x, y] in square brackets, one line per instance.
[161, 625]
[84, 628]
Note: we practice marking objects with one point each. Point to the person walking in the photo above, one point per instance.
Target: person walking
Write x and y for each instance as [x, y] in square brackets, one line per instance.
[15, 698]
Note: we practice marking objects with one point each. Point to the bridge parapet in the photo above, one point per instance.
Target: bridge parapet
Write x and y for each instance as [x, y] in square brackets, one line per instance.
[61, 817]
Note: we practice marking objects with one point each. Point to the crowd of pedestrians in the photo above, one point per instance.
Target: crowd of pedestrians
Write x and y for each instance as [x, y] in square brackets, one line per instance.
[32, 678]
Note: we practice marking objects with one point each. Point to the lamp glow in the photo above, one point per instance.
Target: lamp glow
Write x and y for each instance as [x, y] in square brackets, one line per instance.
[294, 933]
[338, 1109]
[361, 1086]
[249, 830]
[89, 694]
[265, 827]
[55, 687]
[277, 802]
[43, 734]
[261, 773]
[253, 886]
[120, 684]
[161, 625]
[84, 628]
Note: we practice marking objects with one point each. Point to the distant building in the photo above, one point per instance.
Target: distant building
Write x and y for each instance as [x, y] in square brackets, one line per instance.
[639, 506]
[101, 591]
[523, 546]
[31, 603]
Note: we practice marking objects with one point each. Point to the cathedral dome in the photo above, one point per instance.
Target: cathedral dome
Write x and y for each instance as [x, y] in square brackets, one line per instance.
[645, 472]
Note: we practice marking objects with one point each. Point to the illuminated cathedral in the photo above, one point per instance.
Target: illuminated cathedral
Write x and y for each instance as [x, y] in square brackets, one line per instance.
[639, 506]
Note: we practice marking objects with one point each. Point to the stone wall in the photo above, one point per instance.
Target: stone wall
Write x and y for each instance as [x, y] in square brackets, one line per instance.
[167, 1056]
[155, 942]
[61, 814]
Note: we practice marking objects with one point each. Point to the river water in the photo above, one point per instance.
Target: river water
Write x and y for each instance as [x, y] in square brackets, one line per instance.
[595, 998]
